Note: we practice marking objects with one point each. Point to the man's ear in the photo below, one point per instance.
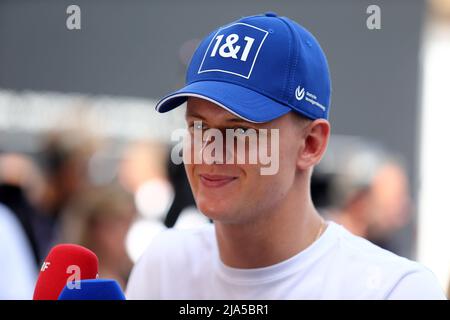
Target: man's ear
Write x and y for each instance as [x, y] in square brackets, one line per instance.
[316, 135]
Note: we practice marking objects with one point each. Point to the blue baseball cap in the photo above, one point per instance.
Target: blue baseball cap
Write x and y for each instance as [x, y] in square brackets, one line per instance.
[258, 68]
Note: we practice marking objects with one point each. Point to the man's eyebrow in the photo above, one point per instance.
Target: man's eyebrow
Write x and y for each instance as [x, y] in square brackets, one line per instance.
[196, 115]
[239, 120]
[193, 114]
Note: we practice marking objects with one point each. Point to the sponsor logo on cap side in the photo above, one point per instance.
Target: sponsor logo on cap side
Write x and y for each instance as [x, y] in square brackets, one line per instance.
[301, 93]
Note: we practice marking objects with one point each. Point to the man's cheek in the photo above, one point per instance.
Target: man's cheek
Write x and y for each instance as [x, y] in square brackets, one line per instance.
[188, 146]
[189, 168]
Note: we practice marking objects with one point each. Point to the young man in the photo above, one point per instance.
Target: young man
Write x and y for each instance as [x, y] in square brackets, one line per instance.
[264, 74]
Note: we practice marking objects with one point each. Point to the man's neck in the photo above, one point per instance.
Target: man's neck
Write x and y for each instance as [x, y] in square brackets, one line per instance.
[276, 236]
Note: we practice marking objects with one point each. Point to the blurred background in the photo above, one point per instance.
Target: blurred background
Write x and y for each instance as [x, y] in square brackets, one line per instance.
[84, 158]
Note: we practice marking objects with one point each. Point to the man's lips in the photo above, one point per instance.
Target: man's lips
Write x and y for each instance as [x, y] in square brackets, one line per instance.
[215, 181]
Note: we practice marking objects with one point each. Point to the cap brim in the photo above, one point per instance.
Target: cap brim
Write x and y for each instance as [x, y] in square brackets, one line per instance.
[242, 102]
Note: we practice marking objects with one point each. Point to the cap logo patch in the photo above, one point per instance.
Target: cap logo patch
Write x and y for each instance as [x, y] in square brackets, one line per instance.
[234, 50]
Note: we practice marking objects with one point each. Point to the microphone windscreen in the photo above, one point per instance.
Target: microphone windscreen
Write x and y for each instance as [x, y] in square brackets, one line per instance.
[96, 289]
[65, 263]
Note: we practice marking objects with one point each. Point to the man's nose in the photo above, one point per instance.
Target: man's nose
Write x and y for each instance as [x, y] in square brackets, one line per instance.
[214, 151]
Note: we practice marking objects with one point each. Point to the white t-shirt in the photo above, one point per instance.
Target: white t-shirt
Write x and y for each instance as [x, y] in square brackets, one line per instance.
[184, 264]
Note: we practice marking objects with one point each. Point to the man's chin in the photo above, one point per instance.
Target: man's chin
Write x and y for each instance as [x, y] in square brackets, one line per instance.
[225, 215]
[216, 212]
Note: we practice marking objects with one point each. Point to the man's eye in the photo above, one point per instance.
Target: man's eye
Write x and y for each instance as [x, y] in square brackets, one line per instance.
[196, 126]
[241, 130]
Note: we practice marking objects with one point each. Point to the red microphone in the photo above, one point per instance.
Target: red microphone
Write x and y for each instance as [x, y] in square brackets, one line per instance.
[65, 264]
